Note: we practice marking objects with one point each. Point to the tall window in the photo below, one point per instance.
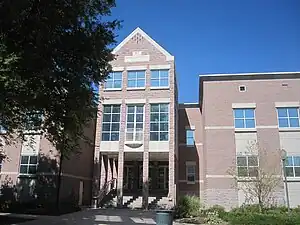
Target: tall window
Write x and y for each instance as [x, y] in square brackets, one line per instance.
[159, 78]
[190, 137]
[244, 118]
[136, 79]
[114, 80]
[111, 123]
[28, 164]
[159, 122]
[247, 166]
[135, 123]
[293, 166]
[190, 172]
[288, 117]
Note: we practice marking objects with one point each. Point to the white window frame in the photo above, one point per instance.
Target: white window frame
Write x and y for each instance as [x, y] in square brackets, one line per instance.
[160, 78]
[113, 80]
[28, 164]
[136, 79]
[186, 137]
[292, 166]
[247, 164]
[193, 165]
[244, 118]
[288, 117]
[135, 132]
[159, 131]
[111, 122]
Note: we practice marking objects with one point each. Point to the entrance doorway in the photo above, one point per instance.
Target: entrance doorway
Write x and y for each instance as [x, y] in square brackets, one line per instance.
[163, 177]
[128, 177]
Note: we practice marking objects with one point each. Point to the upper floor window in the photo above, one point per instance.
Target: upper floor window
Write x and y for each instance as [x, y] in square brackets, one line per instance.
[135, 123]
[244, 118]
[288, 117]
[159, 78]
[292, 166]
[111, 123]
[114, 80]
[190, 172]
[136, 79]
[190, 137]
[159, 122]
[28, 164]
[247, 166]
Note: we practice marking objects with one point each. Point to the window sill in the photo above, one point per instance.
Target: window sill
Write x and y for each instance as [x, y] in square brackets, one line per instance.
[160, 88]
[191, 182]
[289, 179]
[135, 89]
[112, 89]
[190, 146]
[27, 175]
[289, 129]
[241, 130]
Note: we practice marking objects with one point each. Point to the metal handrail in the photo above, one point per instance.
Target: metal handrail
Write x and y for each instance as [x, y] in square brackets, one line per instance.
[101, 195]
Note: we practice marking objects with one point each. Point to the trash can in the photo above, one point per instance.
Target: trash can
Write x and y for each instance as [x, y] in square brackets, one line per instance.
[164, 217]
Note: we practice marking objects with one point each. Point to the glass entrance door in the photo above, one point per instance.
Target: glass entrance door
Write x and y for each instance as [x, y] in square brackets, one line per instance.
[163, 177]
[128, 177]
[141, 177]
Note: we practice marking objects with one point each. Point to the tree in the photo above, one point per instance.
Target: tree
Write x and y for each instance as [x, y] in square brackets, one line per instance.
[258, 175]
[51, 52]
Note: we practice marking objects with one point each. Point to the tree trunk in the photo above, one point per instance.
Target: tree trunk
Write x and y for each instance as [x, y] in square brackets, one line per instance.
[59, 183]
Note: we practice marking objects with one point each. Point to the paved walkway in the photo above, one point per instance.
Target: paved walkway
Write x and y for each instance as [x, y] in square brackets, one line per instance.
[100, 217]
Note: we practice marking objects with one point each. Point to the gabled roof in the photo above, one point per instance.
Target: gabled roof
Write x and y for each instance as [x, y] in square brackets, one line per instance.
[148, 38]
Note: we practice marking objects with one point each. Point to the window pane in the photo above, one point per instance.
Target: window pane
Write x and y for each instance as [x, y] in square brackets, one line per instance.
[154, 108]
[114, 136]
[191, 169]
[116, 109]
[105, 127]
[191, 178]
[105, 136]
[189, 133]
[164, 108]
[131, 83]
[140, 83]
[283, 122]
[241, 161]
[154, 83]
[164, 83]
[249, 113]
[282, 112]
[24, 159]
[33, 160]
[164, 117]
[131, 75]
[140, 109]
[289, 171]
[293, 112]
[130, 109]
[154, 126]
[32, 169]
[140, 74]
[164, 73]
[242, 171]
[289, 161]
[23, 169]
[253, 172]
[106, 117]
[118, 75]
[139, 126]
[139, 118]
[164, 136]
[130, 117]
[130, 126]
[252, 161]
[154, 74]
[154, 117]
[110, 76]
[108, 84]
[296, 160]
[115, 127]
[297, 171]
[238, 113]
[250, 123]
[153, 136]
[190, 141]
[117, 84]
[164, 127]
[107, 109]
[239, 123]
[294, 122]
[116, 118]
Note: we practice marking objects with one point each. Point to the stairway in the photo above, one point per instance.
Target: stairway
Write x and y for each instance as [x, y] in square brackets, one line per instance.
[132, 202]
[109, 200]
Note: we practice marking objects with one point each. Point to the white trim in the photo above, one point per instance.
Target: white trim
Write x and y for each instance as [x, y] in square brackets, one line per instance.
[243, 105]
[8, 173]
[246, 74]
[267, 127]
[130, 68]
[135, 101]
[117, 68]
[135, 88]
[112, 89]
[192, 127]
[286, 104]
[218, 176]
[148, 38]
[245, 129]
[112, 101]
[293, 179]
[159, 100]
[289, 129]
[160, 88]
[218, 127]
[160, 67]
[134, 150]
[137, 58]
[153, 150]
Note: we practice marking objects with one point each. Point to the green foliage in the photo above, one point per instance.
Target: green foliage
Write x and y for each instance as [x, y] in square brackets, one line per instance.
[213, 218]
[218, 209]
[188, 206]
[51, 52]
[254, 208]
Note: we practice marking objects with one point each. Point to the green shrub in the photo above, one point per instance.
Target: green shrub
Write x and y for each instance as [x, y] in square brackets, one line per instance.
[220, 210]
[254, 208]
[188, 206]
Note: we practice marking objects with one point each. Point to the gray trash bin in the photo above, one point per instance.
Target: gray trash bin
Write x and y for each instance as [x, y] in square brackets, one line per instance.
[164, 217]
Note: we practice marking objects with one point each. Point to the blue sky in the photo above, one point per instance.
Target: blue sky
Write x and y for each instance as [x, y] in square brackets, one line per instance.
[218, 36]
